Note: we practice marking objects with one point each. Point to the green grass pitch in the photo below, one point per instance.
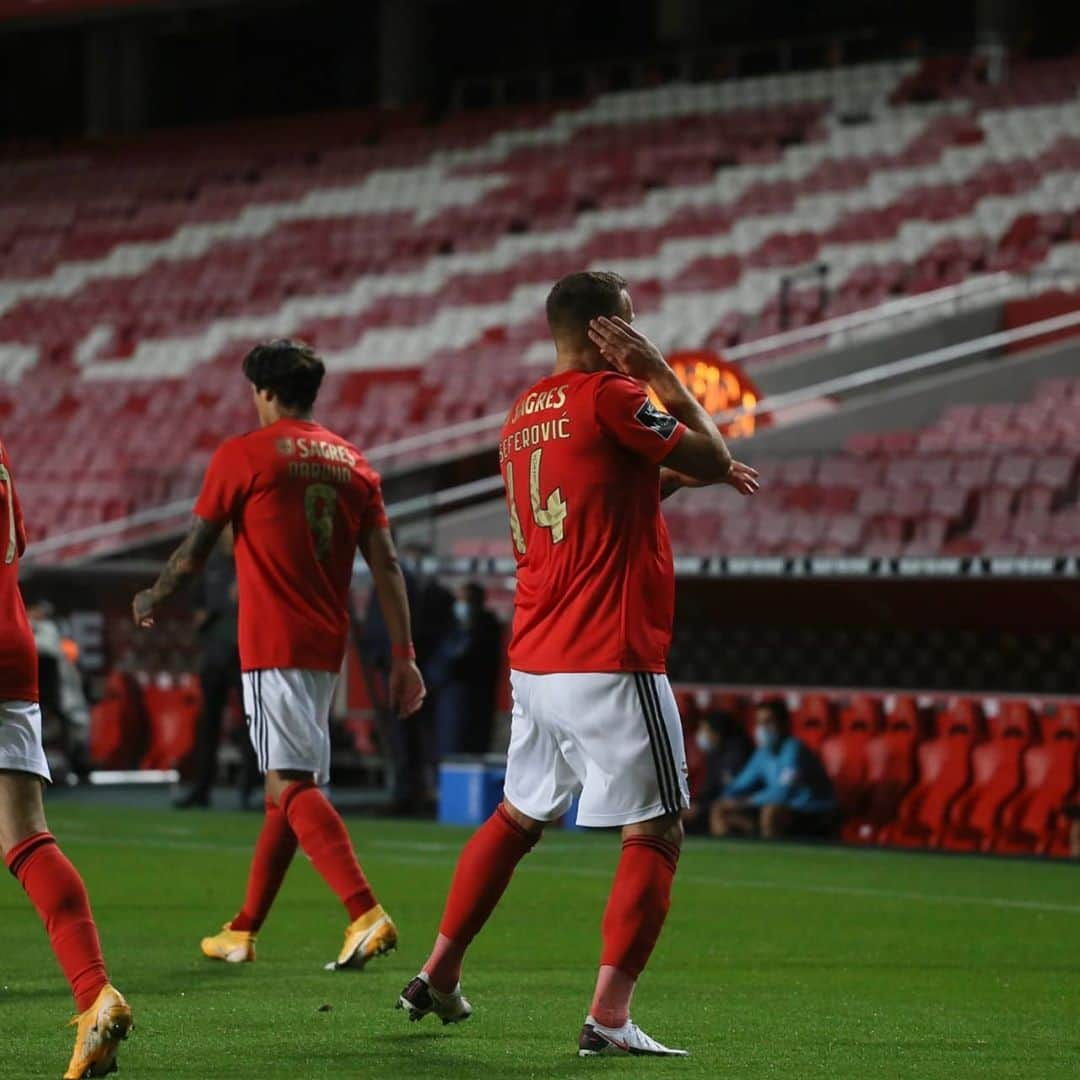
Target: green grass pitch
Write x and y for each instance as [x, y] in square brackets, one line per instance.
[777, 961]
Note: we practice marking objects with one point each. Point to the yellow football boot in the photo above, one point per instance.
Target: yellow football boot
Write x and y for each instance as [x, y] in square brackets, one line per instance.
[232, 946]
[373, 934]
[100, 1031]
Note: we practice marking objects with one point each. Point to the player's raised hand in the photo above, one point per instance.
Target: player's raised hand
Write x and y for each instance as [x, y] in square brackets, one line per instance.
[407, 690]
[142, 608]
[625, 348]
[742, 478]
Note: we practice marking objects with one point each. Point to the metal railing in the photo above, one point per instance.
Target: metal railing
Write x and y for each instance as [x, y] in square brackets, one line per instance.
[883, 373]
[979, 289]
[841, 384]
[834, 331]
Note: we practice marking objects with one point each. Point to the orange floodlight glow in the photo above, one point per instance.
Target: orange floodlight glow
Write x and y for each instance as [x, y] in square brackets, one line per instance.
[719, 385]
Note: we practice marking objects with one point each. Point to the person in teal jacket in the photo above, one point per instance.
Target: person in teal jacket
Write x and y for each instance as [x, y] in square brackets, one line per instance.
[783, 790]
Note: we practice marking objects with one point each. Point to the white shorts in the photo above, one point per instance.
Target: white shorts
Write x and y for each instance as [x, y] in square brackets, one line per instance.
[20, 739]
[288, 717]
[615, 739]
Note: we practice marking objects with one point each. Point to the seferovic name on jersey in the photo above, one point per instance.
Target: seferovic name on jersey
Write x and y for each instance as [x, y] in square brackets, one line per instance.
[541, 431]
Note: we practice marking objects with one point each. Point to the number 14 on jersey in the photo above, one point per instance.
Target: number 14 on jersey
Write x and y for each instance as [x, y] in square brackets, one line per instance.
[549, 515]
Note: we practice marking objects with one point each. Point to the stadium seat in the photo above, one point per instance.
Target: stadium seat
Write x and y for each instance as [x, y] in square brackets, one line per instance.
[382, 238]
[812, 720]
[172, 707]
[876, 500]
[944, 771]
[1032, 821]
[119, 731]
[890, 773]
[995, 768]
[986, 775]
[845, 756]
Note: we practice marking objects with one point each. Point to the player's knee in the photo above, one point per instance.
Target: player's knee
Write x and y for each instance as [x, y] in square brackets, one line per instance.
[523, 821]
[22, 813]
[669, 828]
[278, 781]
[676, 832]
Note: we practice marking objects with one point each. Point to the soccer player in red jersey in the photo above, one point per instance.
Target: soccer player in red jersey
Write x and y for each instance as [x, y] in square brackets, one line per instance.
[586, 459]
[30, 851]
[301, 500]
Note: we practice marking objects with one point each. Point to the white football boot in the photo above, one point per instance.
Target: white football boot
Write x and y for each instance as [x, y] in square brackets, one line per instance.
[597, 1040]
[420, 998]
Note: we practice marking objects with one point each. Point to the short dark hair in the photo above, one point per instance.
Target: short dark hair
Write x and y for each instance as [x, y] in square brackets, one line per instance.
[722, 722]
[475, 593]
[778, 710]
[578, 298]
[291, 369]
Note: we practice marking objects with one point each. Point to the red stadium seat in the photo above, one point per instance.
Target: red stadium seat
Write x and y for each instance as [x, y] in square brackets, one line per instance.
[890, 774]
[1013, 717]
[812, 720]
[1032, 821]
[118, 724]
[995, 766]
[944, 772]
[844, 755]
[336, 231]
[172, 706]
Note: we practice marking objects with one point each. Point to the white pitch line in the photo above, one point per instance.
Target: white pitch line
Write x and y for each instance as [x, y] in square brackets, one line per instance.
[394, 851]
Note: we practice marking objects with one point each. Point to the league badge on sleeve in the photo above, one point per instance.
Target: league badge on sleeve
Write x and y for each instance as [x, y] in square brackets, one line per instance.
[651, 417]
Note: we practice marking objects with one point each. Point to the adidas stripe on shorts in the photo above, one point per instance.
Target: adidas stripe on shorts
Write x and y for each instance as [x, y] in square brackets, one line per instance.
[615, 739]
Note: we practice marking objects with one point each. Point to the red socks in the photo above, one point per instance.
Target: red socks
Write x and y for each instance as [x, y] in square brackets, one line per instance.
[639, 902]
[484, 869]
[57, 892]
[274, 852]
[325, 840]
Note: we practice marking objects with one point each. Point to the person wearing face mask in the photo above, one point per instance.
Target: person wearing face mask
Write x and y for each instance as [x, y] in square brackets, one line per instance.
[465, 712]
[725, 750]
[782, 791]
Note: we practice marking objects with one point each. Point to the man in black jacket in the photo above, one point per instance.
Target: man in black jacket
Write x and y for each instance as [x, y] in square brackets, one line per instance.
[219, 673]
[466, 706]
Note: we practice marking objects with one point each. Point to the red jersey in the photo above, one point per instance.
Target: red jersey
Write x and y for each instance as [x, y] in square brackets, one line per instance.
[580, 456]
[299, 497]
[18, 653]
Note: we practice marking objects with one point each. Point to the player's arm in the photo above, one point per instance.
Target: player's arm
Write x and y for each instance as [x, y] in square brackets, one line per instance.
[183, 565]
[672, 481]
[407, 689]
[701, 454]
[14, 538]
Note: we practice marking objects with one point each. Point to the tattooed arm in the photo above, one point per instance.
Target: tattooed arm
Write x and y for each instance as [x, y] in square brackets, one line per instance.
[184, 563]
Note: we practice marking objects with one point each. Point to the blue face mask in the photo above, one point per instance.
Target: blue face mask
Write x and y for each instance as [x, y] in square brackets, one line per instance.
[461, 611]
[766, 738]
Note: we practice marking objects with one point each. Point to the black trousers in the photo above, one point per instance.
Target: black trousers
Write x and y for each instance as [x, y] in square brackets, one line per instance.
[219, 674]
